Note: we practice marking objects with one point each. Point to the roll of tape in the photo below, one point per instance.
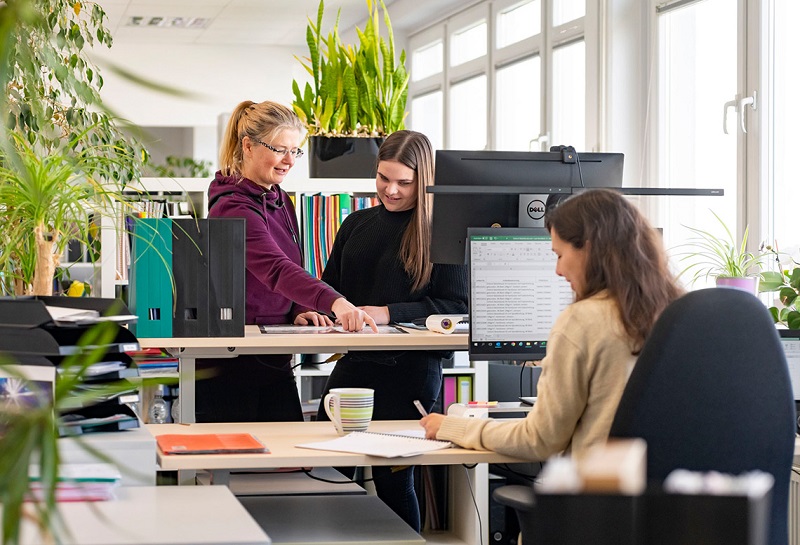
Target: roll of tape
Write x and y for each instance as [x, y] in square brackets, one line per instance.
[442, 323]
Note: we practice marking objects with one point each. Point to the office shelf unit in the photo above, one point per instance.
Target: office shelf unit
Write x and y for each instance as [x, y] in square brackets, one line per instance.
[195, 192]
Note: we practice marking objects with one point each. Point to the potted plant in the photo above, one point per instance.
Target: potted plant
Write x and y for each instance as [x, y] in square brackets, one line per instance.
[358, 95]
[63, 160]
[787, 283]
[48, 199]
[722, 258]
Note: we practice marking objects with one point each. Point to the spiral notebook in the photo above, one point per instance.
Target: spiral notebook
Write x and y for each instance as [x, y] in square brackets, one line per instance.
[385, 445]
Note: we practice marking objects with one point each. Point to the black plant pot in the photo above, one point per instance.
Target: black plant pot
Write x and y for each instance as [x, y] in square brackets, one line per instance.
[342, 157]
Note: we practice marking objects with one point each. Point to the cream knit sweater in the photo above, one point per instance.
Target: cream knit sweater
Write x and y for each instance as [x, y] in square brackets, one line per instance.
[586, 368]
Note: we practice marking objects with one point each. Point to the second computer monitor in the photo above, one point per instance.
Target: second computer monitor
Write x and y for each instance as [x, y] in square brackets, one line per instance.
[515, 294]
[483, 188]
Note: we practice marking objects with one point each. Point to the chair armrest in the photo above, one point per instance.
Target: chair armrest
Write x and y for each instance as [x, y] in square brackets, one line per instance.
[517, 496]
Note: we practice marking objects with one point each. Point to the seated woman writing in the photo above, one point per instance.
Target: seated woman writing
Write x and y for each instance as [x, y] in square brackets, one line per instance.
[617, 267]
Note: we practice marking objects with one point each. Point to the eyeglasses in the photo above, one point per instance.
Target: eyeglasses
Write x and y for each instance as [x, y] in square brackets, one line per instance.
[297, 153]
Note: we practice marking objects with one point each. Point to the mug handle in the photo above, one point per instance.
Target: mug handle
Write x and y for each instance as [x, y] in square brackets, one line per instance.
[335, 413]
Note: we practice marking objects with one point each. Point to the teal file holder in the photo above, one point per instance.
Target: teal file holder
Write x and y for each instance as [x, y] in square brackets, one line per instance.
[151, 286]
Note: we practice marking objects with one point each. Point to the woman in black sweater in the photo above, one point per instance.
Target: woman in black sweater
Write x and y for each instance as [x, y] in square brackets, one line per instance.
[380, 261]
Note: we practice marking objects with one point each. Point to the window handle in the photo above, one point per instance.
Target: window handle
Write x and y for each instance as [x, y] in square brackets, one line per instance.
[746, 101]
[725, 107]
[540, 140]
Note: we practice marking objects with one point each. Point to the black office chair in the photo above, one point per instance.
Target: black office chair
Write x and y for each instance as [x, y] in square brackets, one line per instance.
[710, 391]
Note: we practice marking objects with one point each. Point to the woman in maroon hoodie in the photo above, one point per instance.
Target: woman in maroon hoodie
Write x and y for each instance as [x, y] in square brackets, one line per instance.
[260, 146]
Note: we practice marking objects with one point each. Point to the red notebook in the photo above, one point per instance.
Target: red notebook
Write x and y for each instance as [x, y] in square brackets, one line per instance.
[210, 443]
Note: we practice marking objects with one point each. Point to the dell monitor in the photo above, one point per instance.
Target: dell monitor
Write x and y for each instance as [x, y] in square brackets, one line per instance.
[515, 293]
[506, 189]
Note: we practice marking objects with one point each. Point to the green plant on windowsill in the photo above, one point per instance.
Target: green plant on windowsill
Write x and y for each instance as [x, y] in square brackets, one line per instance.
[721, 258]
[786, 281]
[358, 90]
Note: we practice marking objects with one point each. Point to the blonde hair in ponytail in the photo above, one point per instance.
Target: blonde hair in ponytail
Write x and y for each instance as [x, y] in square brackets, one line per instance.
[258, 120]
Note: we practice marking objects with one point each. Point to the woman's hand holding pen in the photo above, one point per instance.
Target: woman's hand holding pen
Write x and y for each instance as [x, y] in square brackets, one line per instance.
[431, 423]
[351, 318]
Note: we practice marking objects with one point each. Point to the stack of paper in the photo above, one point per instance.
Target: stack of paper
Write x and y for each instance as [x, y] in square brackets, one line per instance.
[385, 445]
[79, 482]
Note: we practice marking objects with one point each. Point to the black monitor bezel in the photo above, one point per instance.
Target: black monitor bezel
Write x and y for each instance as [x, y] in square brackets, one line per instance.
[466, 197]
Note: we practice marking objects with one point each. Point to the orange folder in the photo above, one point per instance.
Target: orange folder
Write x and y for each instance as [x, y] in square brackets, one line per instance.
[209, 443]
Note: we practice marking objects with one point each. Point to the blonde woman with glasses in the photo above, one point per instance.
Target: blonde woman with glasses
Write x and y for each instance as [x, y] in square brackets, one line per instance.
[259, 148]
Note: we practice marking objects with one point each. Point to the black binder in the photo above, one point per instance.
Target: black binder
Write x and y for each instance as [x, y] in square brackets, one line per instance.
[226, 277]
[190, 258]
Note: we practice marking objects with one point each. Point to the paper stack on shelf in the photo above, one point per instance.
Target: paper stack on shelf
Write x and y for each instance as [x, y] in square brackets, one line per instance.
[79, 482]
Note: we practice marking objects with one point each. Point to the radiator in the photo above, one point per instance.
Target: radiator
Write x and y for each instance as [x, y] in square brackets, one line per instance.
[794, 507]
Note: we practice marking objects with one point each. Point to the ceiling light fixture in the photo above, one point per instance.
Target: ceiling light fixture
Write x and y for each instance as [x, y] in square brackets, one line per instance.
[167, 22]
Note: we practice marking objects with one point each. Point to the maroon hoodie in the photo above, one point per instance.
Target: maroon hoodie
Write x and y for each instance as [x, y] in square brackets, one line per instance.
[277, 287]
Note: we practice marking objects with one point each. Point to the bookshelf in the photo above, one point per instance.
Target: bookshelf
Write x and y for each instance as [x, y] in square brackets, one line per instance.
[194, 192]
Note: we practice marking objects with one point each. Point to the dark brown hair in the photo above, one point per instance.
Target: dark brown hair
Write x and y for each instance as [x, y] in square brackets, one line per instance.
[626, 257]
[414, 150]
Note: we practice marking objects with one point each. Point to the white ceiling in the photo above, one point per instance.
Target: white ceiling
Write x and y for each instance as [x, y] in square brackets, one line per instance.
[256, 22]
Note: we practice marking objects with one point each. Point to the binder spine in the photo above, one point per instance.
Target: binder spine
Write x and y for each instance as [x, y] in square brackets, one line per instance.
[226, 277]
[190, 258]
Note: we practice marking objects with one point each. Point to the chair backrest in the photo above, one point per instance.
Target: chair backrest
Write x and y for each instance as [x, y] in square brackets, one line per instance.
[711, 391]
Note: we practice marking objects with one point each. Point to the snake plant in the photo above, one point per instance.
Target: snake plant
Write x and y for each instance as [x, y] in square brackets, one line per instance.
[357, 90]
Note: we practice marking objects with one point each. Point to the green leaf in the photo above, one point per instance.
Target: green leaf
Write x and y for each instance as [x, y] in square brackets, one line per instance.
[770, 281]
[793, 320]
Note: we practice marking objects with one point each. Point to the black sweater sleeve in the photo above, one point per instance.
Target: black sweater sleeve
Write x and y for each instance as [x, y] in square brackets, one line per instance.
[446, 294]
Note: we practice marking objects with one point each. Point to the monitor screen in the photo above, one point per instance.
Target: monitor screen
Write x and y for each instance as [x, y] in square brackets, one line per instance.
[483, 189]
[515, 294]
[791, 347]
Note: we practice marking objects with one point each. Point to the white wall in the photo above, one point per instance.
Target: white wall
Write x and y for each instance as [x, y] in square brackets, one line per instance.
[219, 76]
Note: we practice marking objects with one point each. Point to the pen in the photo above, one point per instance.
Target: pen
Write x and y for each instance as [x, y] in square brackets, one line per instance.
[420, 408]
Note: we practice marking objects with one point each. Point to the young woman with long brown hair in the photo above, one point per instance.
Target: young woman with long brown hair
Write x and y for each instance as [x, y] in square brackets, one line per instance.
[617, 267]
[381, 262]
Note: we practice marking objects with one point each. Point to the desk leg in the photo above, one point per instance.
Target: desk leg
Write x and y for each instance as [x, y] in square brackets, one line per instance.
[186, 380]
[462, 513]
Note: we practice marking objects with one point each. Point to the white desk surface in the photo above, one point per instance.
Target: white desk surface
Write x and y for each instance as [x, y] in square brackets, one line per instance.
[311, 343]
[158, 515]
[281, 438]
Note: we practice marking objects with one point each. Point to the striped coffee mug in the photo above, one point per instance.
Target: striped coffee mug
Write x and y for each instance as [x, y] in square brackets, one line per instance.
[350, 409]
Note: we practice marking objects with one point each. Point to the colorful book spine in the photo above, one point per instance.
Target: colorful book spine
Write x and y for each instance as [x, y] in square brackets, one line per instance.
[450, 395]
[464, 393]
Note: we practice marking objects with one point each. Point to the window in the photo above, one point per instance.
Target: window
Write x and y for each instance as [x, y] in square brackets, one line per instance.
[427, 113]
[468, 44]
[697, 75]
[427, 61]
[518, 104]
[785, 119]
[565, 11]
[569, 95]
[519, 22]
[534, 78]
[468, 114]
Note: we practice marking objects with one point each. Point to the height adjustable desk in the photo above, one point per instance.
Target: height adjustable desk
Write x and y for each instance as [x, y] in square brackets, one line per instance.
[281, 437]
[188, 349]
